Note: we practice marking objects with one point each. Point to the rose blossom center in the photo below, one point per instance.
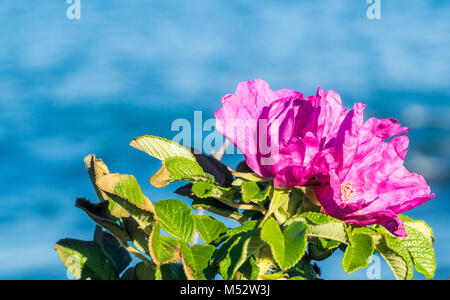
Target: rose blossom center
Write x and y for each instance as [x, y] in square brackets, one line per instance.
[347, 192]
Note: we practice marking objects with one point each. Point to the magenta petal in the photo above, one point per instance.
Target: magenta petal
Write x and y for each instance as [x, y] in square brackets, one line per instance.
[370, 185]
[281, 134]
[290, 170]
[395, 226]
[329, 114]
[386, 218]
[347, 138]
[251, 96]
[405, 191]
[284, 93]
[385, 128]
[239, 117]
[355, 214]
[306, 148]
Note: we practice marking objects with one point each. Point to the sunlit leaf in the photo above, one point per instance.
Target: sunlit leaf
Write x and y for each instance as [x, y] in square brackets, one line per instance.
[176, 218]
[358, 256]
[85, 260]
[196, 260]
[161, 148]
[209, 228]
[124, 190]
[288, 246]
[421, 252]
[323, 226]
[163, 249]
[396, 256]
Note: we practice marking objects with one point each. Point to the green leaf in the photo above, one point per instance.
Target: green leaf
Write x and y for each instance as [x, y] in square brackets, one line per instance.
[420, 226]
[138, 236]
[395, 255]
[279, 198]
[178, 162]
[99, 213]
[145, 271]
[219, 208]
[113, 249]
[250, 176]
[261, 196]
[322, 248]
[178, 169]
[289, 246]
[249, 269]
[328, 227]
[417, 245]
[363, 230]
[97, 169]
[176, 218]
[358, 256]
[252, 192]
[333, 231]
[172, 272]
[236, 246]
[208, 190]
[238, 249]
[123, 190]
[247, 227]
[421, 252]
[309, 201]
[149, 271]
[217, 169]
[290, 207]
[85, 260]
[297, 278]
[323, 226]
[163, 249]
[210, 204]
[273, 276]
[224, 195]
[181, 168]
[238, 182]
[127, 187]
[319, 218]
[209, 228]
[304, 270]
[161, 178]
[328, 244]
[196, 259]
[202, 189]
[161, 148]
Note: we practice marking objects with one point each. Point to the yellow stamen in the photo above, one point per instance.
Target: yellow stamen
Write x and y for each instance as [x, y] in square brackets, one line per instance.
[347, 192]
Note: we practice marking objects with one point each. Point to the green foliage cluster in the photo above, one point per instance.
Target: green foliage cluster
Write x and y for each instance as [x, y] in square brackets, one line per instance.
[281, 234]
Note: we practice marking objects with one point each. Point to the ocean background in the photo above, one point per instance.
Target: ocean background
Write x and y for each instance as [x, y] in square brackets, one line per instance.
[69, 88]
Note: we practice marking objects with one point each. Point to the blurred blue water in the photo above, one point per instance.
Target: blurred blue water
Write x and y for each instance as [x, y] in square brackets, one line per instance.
[128, 68]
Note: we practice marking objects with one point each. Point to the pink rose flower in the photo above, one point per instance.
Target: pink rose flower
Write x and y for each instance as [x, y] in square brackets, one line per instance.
[305, 153]
[356, 169]
[370, 184]
[281, 134]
